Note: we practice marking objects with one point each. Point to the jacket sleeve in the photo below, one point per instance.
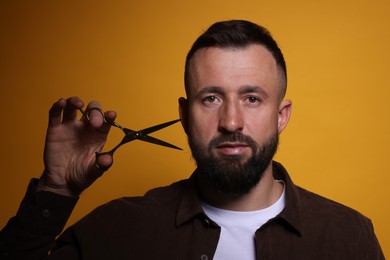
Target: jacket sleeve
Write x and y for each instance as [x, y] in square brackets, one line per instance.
[40, 219]
[370, 244]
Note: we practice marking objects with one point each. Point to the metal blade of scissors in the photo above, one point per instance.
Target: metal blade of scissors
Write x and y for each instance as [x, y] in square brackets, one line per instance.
[142, 135]
[153, 140]
[155, 128]
[132, 135]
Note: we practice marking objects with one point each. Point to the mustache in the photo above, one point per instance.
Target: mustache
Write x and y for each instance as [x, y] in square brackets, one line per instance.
[233, 137]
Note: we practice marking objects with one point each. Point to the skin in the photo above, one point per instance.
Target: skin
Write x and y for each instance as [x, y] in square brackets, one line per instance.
[236, 89]
[71, 143]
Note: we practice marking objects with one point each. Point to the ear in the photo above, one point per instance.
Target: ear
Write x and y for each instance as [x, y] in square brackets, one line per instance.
[183, 112]
[284, 114]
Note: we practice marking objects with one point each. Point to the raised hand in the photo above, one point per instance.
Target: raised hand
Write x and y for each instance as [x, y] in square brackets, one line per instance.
[69, 155]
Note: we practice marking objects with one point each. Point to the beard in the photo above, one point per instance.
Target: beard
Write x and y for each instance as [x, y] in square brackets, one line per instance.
[233, 175]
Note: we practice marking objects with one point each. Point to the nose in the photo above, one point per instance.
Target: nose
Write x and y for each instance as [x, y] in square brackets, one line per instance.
[230, 118]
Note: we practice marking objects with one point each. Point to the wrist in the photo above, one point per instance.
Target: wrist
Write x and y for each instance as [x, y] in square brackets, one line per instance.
[63, 190]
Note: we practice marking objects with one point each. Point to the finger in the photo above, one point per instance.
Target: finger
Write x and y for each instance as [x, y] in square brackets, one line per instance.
[95, 114]
[73, 104]
[56, 111]
[104, 161]
[102, 164]
[110, 117]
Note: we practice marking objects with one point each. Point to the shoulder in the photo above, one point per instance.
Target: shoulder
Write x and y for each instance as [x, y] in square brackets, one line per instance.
[328, 221]
[316, 202]
[318, 209]
[308, 207]
[124, 219]
[156, 202]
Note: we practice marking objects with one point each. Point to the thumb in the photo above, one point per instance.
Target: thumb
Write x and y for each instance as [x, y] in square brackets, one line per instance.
[103, 162]
[95, 170]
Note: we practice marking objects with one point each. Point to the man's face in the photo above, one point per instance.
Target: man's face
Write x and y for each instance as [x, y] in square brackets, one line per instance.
[234, 114]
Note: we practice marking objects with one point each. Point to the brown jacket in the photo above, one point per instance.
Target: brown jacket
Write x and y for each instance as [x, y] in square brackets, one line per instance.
[168, 223]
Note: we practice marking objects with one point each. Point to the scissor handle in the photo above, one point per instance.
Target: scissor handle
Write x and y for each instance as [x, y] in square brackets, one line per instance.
[88, 111]
[130, 135]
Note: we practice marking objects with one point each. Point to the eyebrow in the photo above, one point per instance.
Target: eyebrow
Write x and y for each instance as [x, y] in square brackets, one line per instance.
[253, 89]
[210, 89]
[242, 90]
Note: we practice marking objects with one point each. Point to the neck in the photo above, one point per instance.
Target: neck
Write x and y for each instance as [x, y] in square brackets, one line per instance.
[266, 192]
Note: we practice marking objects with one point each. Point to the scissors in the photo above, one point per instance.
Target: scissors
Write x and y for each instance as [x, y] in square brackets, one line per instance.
[131, 135]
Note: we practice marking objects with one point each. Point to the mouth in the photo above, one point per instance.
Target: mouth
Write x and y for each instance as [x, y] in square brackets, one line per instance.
[232, 148]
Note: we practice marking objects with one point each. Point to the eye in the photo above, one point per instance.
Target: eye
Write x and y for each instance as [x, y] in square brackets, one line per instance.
[253, 99]
[210, 99]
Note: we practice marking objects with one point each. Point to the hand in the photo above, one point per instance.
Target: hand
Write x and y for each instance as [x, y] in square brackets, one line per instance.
[69, 155]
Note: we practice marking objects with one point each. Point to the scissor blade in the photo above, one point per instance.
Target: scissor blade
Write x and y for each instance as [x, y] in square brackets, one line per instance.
[153, 140]
[155, 128]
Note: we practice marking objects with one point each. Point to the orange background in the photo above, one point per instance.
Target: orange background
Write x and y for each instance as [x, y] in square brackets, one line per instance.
[130, 55]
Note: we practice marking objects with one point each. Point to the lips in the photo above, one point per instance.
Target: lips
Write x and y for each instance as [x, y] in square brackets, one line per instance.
[232, 148]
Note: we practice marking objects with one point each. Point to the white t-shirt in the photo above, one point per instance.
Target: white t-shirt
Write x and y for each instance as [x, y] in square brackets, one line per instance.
[237, 239]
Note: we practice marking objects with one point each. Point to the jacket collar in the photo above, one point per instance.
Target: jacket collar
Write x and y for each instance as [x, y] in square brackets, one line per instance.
[292, 212]
[189, 205]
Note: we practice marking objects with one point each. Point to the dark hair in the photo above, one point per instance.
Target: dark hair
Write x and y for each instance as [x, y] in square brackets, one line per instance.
[237, 33]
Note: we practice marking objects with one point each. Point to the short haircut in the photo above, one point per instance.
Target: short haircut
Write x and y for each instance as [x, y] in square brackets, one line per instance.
[237, 34]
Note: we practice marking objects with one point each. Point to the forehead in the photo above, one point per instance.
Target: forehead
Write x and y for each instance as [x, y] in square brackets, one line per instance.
[233, 67]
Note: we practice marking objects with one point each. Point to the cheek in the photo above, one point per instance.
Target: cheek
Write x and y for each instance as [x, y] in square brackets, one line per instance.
[260, 126]
[203, 126]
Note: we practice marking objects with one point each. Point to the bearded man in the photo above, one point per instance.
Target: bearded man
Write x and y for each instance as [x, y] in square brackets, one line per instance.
[238, 203]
